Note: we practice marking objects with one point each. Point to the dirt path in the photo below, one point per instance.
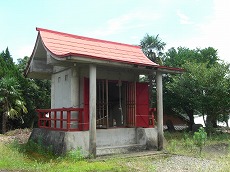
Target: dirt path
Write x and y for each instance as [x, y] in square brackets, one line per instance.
[21, 135]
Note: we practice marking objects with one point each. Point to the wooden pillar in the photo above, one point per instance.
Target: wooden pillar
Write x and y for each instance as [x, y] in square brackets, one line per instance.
[159, 110]
[92, 110]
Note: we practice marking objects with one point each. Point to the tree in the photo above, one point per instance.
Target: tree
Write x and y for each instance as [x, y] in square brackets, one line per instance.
[178, 57]
[36, 93]
[11, 100]
[179, 91]
[152, 47]
[202, 89]
[180, 98]
[214, 97]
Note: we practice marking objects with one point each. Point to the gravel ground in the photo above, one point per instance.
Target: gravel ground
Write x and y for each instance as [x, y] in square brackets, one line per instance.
[179, 163]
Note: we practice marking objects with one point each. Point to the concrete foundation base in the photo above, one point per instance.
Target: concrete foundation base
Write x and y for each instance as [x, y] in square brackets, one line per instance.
[109, 141]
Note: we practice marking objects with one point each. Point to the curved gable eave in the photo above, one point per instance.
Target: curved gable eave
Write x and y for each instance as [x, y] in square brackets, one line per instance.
[37, 66]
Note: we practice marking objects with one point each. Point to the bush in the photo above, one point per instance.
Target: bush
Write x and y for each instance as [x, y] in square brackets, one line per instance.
[200, 138]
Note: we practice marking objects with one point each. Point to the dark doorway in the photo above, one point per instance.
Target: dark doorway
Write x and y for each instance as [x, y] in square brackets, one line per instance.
[115, 100]
[110, 103]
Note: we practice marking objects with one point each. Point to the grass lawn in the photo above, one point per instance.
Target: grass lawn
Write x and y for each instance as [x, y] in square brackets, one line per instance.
[14, 159]
[32, 157]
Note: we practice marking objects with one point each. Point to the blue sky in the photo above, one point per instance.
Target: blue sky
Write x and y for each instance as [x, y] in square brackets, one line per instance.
[186, 23]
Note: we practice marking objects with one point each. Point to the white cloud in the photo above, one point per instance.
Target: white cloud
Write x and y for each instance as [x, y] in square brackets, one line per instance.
[183, 18]
[137, 19]
[214, 32]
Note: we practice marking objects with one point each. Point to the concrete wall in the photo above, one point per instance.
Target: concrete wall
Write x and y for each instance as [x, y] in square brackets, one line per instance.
[116, 137]
[116, 140]
[61, 89]
[148, 137]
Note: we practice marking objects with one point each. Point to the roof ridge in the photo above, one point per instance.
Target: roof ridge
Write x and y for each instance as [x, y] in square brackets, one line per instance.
[86, 38]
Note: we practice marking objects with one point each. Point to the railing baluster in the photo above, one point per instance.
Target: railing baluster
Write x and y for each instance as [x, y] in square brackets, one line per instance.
[61, 120]
[55, 119]
[79, 126]
[68, 120]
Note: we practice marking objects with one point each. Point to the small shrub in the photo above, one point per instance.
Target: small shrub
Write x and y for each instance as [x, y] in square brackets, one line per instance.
[200, 138]
[189, 144]
[188, 141]
[75, 155]
[172, 146]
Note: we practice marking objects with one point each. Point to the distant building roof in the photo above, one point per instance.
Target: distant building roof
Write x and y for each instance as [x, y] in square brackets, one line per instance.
[64, 45]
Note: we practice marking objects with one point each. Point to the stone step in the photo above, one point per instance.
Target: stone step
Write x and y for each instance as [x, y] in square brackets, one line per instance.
[120, 149]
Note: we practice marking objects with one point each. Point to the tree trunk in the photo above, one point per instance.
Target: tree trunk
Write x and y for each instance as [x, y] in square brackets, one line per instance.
[203, 118]
[4, 121]
[211, 121]
[226, 121]
[191, 118]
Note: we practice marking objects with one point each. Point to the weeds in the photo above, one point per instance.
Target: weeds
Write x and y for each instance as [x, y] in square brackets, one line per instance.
[200, 138]
[75, 155]
[34, 150]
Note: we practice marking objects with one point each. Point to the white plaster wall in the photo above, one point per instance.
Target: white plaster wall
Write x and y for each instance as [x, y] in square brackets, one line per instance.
[61, 89]
[65, 91]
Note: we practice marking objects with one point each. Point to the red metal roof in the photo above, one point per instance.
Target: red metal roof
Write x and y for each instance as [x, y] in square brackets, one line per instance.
[63, 45]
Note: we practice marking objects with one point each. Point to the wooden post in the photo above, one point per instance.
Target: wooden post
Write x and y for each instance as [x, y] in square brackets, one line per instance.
[159, 110]
[92, 110]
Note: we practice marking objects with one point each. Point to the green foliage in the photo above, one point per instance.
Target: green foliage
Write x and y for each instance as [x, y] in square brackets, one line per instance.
[11, 100]
[188, 142]
[200, 138]
[7, 66]
[180, 56]
[33, 93]
[173, 146]
[37, 94]
[75, 155]
[35, 150]
[14, 158]
[202, 89]
[152, 46]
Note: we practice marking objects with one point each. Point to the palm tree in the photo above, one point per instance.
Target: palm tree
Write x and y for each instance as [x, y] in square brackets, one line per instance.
[11, 101]
[152, 47]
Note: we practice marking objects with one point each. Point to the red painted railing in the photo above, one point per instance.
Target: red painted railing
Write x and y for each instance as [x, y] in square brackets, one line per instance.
[62, 119]
[70, 119]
